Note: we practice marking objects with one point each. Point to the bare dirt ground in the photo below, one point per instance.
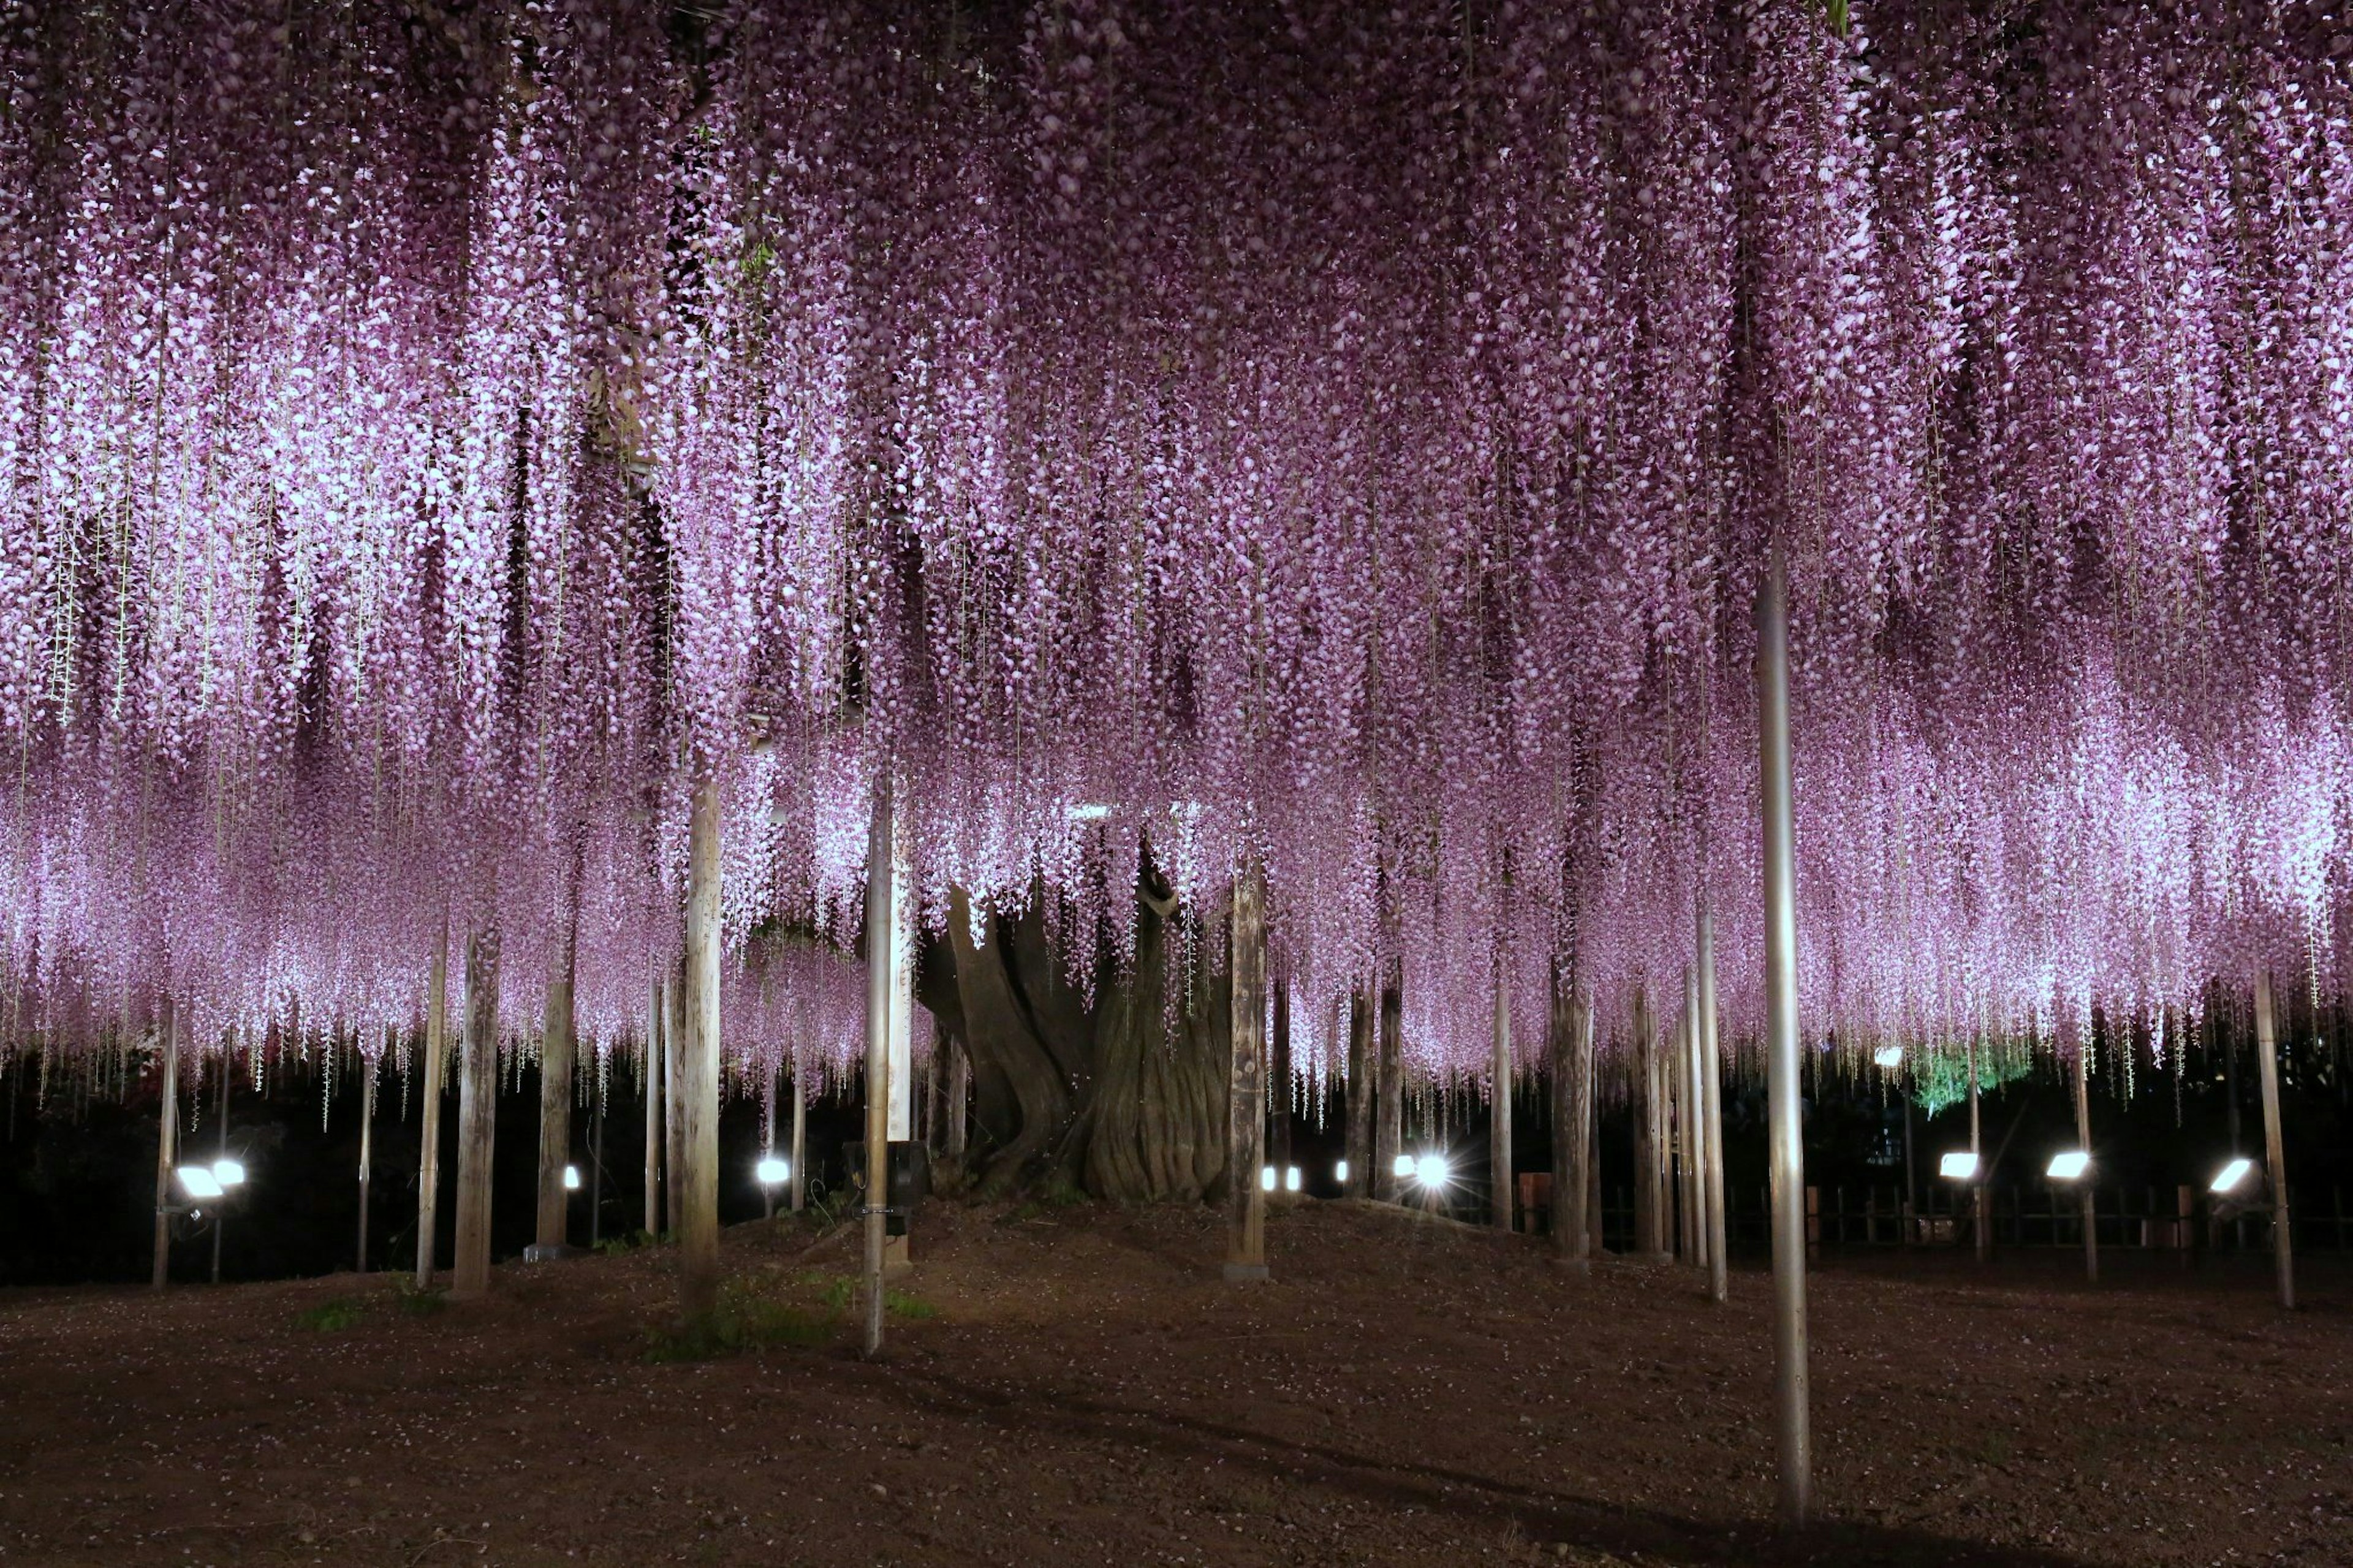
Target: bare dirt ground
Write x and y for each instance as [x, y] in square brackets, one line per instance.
[1086, 1389]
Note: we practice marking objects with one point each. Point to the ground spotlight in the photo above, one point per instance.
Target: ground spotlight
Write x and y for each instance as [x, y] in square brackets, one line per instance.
[2231, 1175]
[571, 1178]
[1290, 1179]
[1402, 1166]
[1266, 1178]
[2068, 1164]
[1888, 1056]
[773, 1171]
[1340, 1172]
[1958, 1166]
[228, 1173]
[1430, 1170]
[199, 1182]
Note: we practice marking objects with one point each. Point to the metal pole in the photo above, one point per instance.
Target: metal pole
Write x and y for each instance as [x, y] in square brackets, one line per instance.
[1711, 1101]
[2088, 1193]
[880, 918]
[1791, 1416]
[2274, 1160]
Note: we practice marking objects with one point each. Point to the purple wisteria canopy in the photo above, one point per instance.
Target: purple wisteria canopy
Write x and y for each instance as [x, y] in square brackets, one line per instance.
[1345, 436]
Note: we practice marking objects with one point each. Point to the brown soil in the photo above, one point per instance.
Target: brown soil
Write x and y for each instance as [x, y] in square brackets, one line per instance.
[1091, 1391]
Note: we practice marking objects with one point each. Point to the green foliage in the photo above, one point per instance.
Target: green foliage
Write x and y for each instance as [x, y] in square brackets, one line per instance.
[616, 1245]
[331, 1318]
[415, 1301]
[899, 1304]
[747, 1319]
[1940, 1075]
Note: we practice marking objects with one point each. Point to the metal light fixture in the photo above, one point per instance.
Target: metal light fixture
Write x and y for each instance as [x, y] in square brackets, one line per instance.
[1958, 1166]
[571, 1178]
[1266, 1178]
[2231, 1175]
[1401, 1166]
[773, 1171]
[228, 1173]
[1888, 1057]
[2068, 1165]
[1430, 1170]
[1340, 1172]
[1290, 1179]
[198, 1182]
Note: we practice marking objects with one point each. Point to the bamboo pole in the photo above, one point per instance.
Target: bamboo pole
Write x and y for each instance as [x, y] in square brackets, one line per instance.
[367, 1149]
[1792, 1415]
[2274, 1155]
[1499, 1109]
[698, 1063]
[1710, 1112]
[1246, 1082]
[428, 1153]
[477, 1087]
[167, 1141]
[880, 919]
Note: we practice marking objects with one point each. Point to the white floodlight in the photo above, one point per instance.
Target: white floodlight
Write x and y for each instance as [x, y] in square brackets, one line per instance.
[571, 1178]
[1958, 1166]
[773, 1172]
[1430, 1170]
[1401, 1166]
[2068, 1164]
[1266, 1178]
[1092, 812]
[199, 1182]
[2231, 1175]
[1290, 1179]
[228, 1173]
[1340, 1172]
[1888, 1056]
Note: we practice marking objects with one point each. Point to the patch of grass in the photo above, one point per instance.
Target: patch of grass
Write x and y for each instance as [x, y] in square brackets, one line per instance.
[899, 1303]
[417, 1302]
[839, 1292]
[745, 1320]
[329, 1319]
[615, 1245]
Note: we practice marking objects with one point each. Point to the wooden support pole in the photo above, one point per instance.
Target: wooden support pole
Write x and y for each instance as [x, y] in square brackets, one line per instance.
[1793, 1445]
[1364, 1070]
[1572, 1058]
[1647, 1191]
[959, 1112]
[656, 1069]
[1278, 1084]
[167, 1143]
[674, 1049]
[1499, 1109]
[1710, 1100]
[698, 1064]
[1689, 1114]
[880, 920]
[367, 1148]
[769, 1090]
[1389, 1124]
[477, 1088]
[2274, 1153]
[1246, 1081]
[558, 1050]
[2087, 1186]
[797, 1179]
[437, 1067]
[1980, 1195]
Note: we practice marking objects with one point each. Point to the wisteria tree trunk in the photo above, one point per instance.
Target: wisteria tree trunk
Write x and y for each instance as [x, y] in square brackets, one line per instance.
[1123, 1099]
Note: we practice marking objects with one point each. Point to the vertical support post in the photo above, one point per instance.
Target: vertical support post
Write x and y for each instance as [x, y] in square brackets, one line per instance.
[1245, 1080]
[1499, 1108]
[657, 1028]
[1980, 1195]
[220, 1135]
[1792, 1420]
[367, 1147]
[880, 920]
[2087, 1195]
[675, 1046]
[1389, 1126]
[1711, 1110]
[436, 1068]
[477, 1088]
[167, 1143]
[1364, 1069]
[1645, 1104]
[698, 1063]
[2275, 1157]
[1572, 1053]
[1690, 1112]
[558, 1050]
[798, 1178]
[768, 1092]
[597, 1165]
[1278, 1083]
